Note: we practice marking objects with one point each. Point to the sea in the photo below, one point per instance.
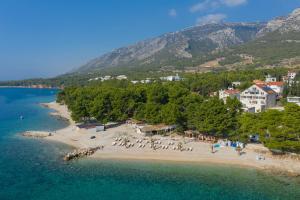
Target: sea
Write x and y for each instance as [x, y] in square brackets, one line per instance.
[33, 169]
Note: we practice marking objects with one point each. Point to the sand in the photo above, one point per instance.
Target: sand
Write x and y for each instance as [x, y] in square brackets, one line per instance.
[201, 150]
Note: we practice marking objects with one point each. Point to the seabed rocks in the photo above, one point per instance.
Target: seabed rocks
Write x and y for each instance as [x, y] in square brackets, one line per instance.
[36, 134]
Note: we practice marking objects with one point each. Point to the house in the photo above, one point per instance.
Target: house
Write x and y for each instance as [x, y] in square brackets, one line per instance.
[96, 126]
[291, 75]
[151, 130]
[295, 100]
[106, 78]
[277, 87]
[259, 82]
[89, 126]
[274, 85]
[269, 78]
[148, 80]
[258, 98]
[95, 79]
[224, 94]
[100, 128]
[121, 77]
[235, 84]
[171, 78]
[135, 82]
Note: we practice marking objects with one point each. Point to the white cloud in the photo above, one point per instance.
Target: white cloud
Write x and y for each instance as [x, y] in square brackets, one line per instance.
[173, 12]
[212, 18]
[213, 4]
[204, 5]
[232, 3]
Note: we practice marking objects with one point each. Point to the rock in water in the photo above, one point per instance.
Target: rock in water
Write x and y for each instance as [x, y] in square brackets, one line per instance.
[36, 134]
[78, 153]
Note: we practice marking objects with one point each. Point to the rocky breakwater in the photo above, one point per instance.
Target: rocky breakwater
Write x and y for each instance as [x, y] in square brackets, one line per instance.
[36, 134]
[79, 153]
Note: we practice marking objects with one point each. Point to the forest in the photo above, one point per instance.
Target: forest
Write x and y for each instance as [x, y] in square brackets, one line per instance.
[189, 105]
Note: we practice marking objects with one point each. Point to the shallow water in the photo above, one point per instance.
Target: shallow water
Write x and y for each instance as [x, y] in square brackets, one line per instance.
[33, 169]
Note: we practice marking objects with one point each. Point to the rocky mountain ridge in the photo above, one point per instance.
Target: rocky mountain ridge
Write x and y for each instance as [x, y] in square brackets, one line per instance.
[283, 24]
[193, 44]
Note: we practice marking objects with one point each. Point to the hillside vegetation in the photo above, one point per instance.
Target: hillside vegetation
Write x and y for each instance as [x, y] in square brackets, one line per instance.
[272, 48]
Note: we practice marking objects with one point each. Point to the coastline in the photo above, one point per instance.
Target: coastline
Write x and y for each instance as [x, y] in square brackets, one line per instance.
[201, 151]
[30, 87]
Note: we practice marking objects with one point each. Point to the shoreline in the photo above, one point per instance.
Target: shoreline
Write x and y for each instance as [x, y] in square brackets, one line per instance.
[80, 139]
[30, 87]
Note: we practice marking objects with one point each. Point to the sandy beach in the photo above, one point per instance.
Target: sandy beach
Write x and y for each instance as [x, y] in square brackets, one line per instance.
[195, 151]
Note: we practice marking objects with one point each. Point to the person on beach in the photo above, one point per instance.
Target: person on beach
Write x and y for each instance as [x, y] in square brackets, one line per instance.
[212, 148]
[239, 150]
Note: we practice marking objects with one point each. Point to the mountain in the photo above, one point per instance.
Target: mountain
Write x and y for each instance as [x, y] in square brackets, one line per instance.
[278, 43]
[291, 23]
[224, 43]
[186, 44]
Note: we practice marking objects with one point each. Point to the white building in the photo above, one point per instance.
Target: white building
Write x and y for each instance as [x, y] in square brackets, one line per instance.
[236, 84]
[291, 75]
[258, 98]
[269, 78]
[171, 78]
[121, 77]
[277, 87]
[224, 94]
[290, 78]
[106, 78]
[146, 81]
[295, 100]
[95, 79]
[135, 82]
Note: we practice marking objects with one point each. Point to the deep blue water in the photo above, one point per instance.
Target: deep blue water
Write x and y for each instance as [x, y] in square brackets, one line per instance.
[33, 169]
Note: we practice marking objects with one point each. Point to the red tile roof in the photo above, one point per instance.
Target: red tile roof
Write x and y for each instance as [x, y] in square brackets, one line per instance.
[276, 83]
[232, 91]
[259, 82]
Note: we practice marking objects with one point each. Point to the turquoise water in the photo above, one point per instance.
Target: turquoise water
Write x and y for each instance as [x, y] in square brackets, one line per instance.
[33, 169]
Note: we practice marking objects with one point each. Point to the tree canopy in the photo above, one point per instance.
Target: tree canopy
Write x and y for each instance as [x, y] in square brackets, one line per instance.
[188, 105]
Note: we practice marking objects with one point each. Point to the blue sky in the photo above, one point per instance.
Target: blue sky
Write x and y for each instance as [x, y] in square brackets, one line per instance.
[44, 38]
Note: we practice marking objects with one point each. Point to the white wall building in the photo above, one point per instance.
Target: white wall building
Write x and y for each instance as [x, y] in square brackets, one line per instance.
[171, 78]
[146, 81]
[135, 82]
[258, 98]
[106, 78]
[295, 100]
[291, 75]
[121, 77]
[224, 94]
[290, 78]
[236, 84]
[269, 78]
[277, 87]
